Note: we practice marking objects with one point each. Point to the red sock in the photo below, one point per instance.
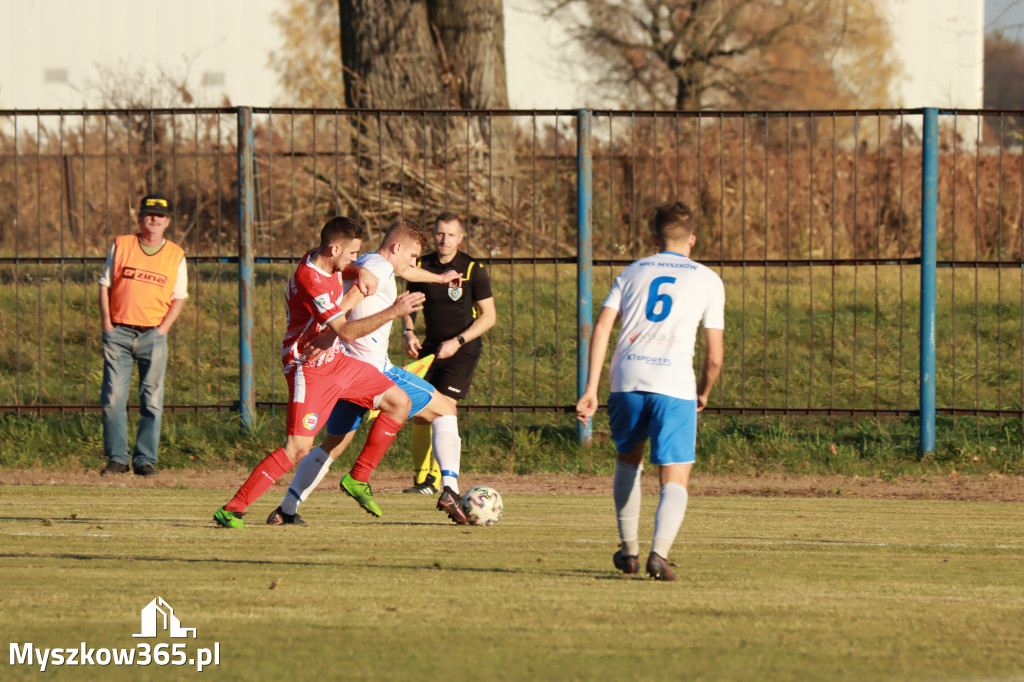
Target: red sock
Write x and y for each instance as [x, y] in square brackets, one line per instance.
[381, 435]
[266, 473]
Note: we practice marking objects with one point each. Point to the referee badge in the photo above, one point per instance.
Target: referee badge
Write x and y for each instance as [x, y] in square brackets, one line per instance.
[454, 293]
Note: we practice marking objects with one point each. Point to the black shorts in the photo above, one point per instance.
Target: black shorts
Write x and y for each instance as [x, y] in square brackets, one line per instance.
[452, 376]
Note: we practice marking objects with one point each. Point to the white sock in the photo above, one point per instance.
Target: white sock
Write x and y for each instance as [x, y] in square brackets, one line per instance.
[626, 493]
[311, 471]
[447, 445]
[671, 510]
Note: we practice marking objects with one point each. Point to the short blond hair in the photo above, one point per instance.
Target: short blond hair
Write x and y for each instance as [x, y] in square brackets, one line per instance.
[405, 228]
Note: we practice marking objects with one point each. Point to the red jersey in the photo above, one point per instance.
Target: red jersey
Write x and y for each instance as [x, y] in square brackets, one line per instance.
[313, 299]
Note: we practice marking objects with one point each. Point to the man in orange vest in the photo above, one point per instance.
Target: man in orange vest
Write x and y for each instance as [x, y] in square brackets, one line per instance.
[143, 289]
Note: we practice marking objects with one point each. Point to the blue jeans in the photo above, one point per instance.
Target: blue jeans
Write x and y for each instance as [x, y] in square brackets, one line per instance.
[122, 348]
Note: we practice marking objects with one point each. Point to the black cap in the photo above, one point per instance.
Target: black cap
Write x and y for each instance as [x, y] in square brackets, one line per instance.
[157, 204]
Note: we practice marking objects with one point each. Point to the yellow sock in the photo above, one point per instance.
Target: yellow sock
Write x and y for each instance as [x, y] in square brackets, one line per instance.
[422, 456]
[435, 470]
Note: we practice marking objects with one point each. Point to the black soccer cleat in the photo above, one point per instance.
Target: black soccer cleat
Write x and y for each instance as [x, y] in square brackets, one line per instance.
[279, 518]
[658, 569]
[450, 503]
[424, 488]
[629, 565]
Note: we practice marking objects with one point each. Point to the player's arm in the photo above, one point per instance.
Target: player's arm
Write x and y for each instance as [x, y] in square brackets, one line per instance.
[414, 273]
[363, 280]
[409, 338]
[715, 345]
[350, 330]
[484, 321]
[586, 407]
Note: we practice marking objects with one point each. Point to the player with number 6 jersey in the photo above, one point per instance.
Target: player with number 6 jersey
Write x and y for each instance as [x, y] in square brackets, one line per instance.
[662, 300]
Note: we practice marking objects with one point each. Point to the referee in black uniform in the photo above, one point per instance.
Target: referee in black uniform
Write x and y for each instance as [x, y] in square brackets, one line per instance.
[455, 320]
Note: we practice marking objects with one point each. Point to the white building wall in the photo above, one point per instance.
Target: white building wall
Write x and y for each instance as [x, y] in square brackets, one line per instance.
[50, 48]
[941, 44]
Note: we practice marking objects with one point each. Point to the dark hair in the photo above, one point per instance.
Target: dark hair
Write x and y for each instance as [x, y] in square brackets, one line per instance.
[403, 227]
[340, 229]
[672, 220]
[448, 217]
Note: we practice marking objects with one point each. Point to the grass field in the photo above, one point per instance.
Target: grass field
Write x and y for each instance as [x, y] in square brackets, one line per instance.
[770, 588]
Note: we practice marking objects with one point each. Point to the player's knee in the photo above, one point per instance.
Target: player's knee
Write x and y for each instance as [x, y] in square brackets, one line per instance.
[296, 449]
[334, 445]
[396, 402]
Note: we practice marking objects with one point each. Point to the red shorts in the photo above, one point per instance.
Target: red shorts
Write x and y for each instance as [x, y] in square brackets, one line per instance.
[312, 391]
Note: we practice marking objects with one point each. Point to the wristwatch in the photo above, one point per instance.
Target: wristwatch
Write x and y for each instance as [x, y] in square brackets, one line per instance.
[410, 329]
[461, 340]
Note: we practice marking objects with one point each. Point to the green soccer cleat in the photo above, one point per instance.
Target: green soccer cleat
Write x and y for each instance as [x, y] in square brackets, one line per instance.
[229, 519]
[361, 493]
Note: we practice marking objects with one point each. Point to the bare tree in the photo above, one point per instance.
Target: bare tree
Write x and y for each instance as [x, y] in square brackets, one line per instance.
[690, 54]
[308, 63]
[472, 37]
[390, 56]
[437, 54]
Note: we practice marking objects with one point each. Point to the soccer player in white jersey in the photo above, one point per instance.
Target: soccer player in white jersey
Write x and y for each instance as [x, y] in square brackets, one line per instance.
[662, 300]
[396, 256]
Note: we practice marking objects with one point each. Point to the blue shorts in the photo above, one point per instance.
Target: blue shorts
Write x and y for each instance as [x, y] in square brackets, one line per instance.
[346, 416]
[670, 423]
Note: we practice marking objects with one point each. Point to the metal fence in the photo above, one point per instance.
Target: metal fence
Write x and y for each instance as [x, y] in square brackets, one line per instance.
[816, 222]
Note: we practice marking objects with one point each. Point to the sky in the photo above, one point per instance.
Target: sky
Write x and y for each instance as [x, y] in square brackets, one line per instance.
[1008, 14]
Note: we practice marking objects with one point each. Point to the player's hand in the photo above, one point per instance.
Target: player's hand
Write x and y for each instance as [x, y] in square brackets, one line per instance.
[366, 281]
[448, 349]
[319, 345]
[451, 278]
[702, 401]
[408, 302]
[586, 408]
[412, 345]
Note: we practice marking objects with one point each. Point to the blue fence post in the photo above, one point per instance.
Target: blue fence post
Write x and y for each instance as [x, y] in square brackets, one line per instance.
[585, 257]
[929, 241]
[246, 271]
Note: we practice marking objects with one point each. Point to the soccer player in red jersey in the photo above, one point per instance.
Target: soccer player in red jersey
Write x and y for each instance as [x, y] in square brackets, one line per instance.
[317, 303]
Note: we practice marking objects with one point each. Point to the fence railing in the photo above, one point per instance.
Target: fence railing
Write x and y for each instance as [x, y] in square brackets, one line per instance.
[872, 259]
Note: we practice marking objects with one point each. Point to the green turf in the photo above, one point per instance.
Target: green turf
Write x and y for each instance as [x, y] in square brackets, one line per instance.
[771, 588]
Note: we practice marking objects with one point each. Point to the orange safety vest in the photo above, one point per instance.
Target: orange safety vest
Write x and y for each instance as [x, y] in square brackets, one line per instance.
[141, 285]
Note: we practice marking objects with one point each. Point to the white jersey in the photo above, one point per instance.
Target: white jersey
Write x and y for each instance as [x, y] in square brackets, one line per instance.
[373, 348]
[662, 299]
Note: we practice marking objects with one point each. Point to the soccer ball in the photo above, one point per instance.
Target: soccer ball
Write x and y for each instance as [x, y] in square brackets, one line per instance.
[482, 505]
